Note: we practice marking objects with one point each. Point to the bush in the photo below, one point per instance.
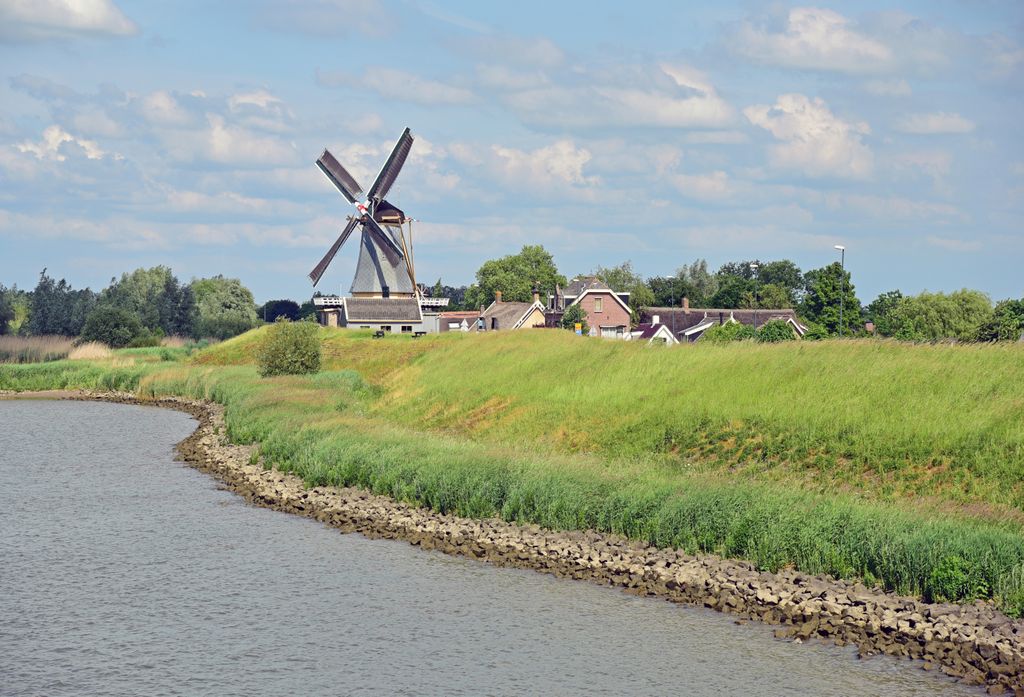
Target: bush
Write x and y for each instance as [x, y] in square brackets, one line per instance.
[775, 330]
[289, 348]
[816, 332]
[574, 315]
[112, 326]
[955, 579]
[730, 331]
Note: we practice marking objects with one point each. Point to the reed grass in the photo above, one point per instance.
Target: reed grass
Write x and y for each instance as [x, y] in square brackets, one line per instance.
[90, 351]
[34, 349]
[858, 459]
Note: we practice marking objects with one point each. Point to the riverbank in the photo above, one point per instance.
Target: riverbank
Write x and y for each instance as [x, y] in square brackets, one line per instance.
[974, 643]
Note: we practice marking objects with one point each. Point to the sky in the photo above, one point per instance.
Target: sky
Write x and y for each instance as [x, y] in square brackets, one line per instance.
[185, 134]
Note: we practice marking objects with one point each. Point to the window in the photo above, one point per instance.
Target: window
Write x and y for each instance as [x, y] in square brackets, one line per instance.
[385, 292]
[407, 329]
[598, 304]
[385, 327]
[453, 325]
[494, 322]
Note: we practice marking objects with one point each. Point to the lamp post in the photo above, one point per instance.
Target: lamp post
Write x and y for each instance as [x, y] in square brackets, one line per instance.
[842, 286]
[753, 271]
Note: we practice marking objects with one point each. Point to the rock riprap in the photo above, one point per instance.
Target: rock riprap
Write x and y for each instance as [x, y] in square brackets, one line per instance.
[974, 643]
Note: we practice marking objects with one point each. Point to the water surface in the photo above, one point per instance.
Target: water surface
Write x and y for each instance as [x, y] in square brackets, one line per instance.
[123, 572]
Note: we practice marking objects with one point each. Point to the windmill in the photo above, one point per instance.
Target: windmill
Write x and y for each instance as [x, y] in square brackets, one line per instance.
[385, 266]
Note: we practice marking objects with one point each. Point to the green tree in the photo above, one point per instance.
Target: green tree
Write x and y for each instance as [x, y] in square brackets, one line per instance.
[272, 309]
[1006, 323]
[574, 315]
[785, 275]
[56, 308]
[156, 297]
[438, 290]
[224, 306]
[774, 331]
[515, 276]
[289, 348]
[113, 326]
[828, 290]
[879, 310]
[770, 295]
[730, 331]
[692, 281]
[733, 291]
[623, 279]
[6, 309]
[937, 316]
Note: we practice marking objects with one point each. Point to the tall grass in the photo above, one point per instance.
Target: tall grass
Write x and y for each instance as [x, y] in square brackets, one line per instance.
[786, 455]
[90, 351]
[34, 349]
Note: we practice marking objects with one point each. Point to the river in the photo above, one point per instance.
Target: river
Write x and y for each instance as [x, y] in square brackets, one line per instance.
[124, 572]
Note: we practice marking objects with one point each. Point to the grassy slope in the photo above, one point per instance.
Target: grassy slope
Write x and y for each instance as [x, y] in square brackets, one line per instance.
[548, 428]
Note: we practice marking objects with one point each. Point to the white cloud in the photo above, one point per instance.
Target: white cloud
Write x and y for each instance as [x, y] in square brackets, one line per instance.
[32, 20]
[953, 245]
[556, 169]
[894, 208]
[326, 18]
[816, 39]
[896, 87]
[399, 85]
[814, 140]
[162, 109]
[706, 187]
[259, 98]
[935, 123]
[51, 147]
[670, 96]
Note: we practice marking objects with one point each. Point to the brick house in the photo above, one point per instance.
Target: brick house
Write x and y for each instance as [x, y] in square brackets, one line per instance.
[607, 312]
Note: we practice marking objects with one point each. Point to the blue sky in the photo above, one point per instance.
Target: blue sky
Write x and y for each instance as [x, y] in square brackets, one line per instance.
[135, 134]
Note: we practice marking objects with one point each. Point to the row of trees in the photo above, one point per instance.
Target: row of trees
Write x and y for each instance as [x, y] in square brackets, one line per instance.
[825, 298]
[139, 307]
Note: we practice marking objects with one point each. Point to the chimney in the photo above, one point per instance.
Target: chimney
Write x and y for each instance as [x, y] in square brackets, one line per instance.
[497, 296]
[536, 293]
[686, 305]
[655, 319]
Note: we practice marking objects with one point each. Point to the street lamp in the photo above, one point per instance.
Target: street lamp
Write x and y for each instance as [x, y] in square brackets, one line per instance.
[842, 286]
[753, 272]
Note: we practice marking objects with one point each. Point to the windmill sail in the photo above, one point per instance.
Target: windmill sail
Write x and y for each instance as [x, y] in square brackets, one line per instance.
[340, 177]
[383, 236]
[389, 172]
[318, 271]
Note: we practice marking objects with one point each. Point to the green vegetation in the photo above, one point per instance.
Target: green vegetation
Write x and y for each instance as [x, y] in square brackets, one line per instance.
[289, 348]
[113, 326]
[774, 331]
[34, 349]
[894, 463]
[730, 331]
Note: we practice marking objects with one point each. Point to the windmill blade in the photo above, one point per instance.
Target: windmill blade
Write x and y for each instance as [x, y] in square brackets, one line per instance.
[384, 236]
[319, 269]
[389, 172]
[340, 177]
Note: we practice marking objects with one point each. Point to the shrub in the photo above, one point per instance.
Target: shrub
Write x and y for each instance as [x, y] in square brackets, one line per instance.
[815, 332]
[289, 348]
[775, 330]
[730, 331]
[112, 326]
[574, 315]
[955, 579]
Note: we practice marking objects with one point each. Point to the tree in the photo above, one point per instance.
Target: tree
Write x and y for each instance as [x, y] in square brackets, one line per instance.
[225, 307]
[733, 291]
[774, 331]
[937, 316]
[879, 311]
[6, 309]
[113, 326]
[770, 295]
[730, 331]
[694, 282]
[289, 348]
[515, 276]
[438, 290]
[1006, 323]
[56, 308]
[828, 290]
[574, 315]
[785, 275]
[156, 297]
[623, 279]
[272, 309]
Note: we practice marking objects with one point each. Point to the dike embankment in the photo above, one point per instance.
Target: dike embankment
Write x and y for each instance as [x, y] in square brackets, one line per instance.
[973, 643]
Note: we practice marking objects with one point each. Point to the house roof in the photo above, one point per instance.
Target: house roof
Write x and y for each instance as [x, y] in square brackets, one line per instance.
[459, 314]
[379, 266]
[578, 285]
[382, 310]
[509, 315]
[679, 320]
[646, 331]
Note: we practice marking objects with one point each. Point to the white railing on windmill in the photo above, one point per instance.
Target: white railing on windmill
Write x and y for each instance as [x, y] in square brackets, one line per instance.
[385, 253]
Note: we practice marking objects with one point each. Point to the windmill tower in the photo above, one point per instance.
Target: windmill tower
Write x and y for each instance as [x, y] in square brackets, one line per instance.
[384, 294]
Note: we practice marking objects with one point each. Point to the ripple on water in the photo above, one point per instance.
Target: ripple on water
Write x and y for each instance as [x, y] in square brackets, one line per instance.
[127, 573]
